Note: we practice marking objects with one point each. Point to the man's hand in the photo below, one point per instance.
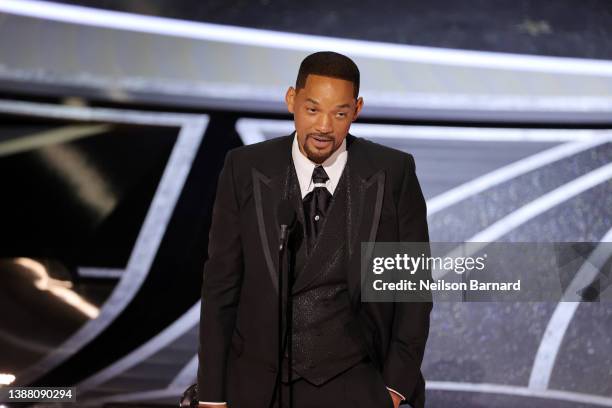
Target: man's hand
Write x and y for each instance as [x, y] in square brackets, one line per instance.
[396, 399]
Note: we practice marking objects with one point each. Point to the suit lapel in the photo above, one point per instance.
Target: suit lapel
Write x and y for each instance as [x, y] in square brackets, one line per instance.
[268, 190]
[266, 194]
[365, 193]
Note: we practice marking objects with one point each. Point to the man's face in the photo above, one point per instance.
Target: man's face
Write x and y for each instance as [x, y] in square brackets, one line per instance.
[323, 112]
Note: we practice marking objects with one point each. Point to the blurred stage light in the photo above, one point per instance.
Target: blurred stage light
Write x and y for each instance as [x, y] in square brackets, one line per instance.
[6, 379]
[61, 289]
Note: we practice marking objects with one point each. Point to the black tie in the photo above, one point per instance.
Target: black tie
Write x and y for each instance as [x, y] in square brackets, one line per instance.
[316, 204]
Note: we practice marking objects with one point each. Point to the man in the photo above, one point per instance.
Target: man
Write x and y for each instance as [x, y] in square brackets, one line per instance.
[345, 190]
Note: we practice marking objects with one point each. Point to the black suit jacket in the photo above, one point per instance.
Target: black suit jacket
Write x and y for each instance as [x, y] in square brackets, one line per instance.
[238, 323]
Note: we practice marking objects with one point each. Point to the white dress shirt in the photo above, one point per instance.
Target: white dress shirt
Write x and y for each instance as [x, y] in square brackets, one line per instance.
[333, 166]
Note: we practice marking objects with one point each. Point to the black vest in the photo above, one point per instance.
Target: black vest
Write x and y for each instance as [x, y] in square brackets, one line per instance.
[326, 337]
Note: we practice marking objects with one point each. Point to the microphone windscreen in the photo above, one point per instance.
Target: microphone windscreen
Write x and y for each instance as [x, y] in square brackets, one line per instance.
[286, 213]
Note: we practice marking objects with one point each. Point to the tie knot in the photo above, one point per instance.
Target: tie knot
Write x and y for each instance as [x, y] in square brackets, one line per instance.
[319, 175]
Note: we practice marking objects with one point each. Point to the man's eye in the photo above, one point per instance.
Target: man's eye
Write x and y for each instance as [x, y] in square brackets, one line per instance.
[311, 110]
[341, 114]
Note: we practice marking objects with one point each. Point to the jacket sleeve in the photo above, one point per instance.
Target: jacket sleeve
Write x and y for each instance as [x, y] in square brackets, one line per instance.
[402, 365]
[220, 288]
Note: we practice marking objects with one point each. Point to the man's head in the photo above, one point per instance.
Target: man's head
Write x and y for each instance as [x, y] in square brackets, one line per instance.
[324, 103]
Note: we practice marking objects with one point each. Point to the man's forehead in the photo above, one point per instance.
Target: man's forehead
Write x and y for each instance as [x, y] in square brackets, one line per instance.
[315, 79]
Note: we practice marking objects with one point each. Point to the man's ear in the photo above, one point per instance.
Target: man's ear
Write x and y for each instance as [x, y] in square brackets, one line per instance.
[358, 108]
[290, 99]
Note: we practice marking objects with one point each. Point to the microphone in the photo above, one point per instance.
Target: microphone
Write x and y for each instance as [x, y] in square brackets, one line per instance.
[286, 217]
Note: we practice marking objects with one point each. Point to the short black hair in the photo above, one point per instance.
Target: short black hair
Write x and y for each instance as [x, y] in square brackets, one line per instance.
[330, 64]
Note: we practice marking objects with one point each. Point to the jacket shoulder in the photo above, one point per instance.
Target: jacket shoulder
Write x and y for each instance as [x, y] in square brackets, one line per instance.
[261, 150]
[386, 157]
[269, 157]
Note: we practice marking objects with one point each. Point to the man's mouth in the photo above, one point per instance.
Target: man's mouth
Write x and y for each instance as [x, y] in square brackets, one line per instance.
[321, 142]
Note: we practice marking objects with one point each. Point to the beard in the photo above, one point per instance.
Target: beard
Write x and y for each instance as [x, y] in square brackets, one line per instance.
[316, 155]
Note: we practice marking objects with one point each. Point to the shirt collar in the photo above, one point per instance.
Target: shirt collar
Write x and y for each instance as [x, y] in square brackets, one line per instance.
[333, 166]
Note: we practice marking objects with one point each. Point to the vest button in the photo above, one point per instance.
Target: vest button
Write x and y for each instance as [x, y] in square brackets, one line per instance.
[317, 217]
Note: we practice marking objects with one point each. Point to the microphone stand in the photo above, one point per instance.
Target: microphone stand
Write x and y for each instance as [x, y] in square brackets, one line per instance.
[289, 319]
[281, 257]
[282, 250]
[286, 216]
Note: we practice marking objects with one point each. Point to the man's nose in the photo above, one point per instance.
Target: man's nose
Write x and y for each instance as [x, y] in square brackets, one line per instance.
[324, 124]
